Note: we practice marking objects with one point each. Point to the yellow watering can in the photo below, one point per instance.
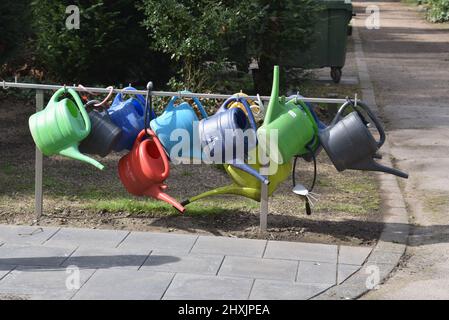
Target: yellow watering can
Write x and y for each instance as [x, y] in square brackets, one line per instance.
[247, 185]
[254, 107]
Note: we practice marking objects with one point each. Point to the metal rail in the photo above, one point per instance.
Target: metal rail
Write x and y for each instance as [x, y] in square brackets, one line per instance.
[40, 104]
[34, 86]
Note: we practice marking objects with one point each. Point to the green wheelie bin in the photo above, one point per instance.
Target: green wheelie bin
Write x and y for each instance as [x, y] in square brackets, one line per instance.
[328, 47]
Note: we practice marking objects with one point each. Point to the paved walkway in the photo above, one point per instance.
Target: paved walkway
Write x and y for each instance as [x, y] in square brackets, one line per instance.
[408, 64]
[55, 263]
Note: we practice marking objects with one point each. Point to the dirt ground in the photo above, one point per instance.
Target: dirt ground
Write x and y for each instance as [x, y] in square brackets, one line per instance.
[76, 194]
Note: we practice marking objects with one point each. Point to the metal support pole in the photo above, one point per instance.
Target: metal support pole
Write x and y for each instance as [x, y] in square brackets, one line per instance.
[38, 195]
[263, 205]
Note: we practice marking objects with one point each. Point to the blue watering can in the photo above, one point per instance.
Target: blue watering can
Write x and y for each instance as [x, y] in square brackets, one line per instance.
[184, 120]
[230, 135]
[129, 116]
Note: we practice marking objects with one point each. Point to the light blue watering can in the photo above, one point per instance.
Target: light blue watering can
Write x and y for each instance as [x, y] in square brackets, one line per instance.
[184, 143]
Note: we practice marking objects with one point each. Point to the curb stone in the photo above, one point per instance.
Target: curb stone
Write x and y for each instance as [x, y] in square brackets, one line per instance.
[392, 243]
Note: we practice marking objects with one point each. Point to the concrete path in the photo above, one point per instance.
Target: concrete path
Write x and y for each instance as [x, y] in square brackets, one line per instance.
[53, 263]
[408, 64]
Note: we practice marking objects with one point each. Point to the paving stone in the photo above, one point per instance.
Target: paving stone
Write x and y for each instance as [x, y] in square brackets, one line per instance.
[259, 268]
[4, 270]
[121, 284]
[301, 251]
[353, 255]
[391, 246]
[398, 202]
[396, 216]
[87, 237]
[200, 287]
[161, 241]
[345, 271]
[284, 290]
[24, 235]
[180, 262]
[43, 283]
[229, 246]
[33, 255]
[108, 258]
[359, 283]
[317, 273]
[383, 257]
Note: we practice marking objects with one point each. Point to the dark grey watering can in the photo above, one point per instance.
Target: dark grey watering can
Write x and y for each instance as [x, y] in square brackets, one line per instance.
[104, 134]
[350, 144]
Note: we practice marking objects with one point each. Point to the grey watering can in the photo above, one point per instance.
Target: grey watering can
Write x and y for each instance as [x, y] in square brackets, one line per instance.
[350, 145]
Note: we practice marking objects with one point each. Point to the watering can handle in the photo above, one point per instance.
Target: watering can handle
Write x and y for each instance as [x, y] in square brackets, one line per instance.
[372, 116]
[119, 96]
[159, 146]
[79, 104]
[247, 108]
[196, 100]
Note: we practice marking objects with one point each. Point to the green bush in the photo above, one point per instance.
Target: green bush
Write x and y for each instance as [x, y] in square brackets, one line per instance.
[437, 10]
[197, 34]
[284, 25]
[14, 28]
[110, 47]
[205, 36]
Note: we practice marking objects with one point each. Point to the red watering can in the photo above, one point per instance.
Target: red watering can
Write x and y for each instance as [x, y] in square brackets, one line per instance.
[145, 168]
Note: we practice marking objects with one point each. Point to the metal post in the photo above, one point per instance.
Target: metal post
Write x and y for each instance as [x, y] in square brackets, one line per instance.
[38, 195]
[263, 205]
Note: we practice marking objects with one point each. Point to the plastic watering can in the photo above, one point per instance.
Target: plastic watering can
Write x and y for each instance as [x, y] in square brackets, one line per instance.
[129, 116]
[61, 126]
[104, 134]
[181, 117]
[350, 144]
[293, 123]
[230, 135]
[145, 168]
[318, 122]
[245, 184]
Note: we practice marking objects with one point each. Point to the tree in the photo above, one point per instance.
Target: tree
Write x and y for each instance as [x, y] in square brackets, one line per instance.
[437, 10]
[196, 32]
[14, 27]
[110, 46]
[285, 24]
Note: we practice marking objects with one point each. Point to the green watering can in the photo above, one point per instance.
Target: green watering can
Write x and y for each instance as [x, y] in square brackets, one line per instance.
[245, 184]
[288, 129]
[61, 126]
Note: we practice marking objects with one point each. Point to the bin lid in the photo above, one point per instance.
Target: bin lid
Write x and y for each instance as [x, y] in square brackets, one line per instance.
[336, 4]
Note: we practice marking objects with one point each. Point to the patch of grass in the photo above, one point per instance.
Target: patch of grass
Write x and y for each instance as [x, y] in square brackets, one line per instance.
[153, 207]
[56, 185]
[8, 169]
[14, 179]
[436, 203]
[341, 207]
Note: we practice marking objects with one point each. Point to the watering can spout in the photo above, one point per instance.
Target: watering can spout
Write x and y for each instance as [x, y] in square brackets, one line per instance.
[248, 169]
[73, 152]
[230, 189]
[274, 98]
[371, 165]
[156, 191]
